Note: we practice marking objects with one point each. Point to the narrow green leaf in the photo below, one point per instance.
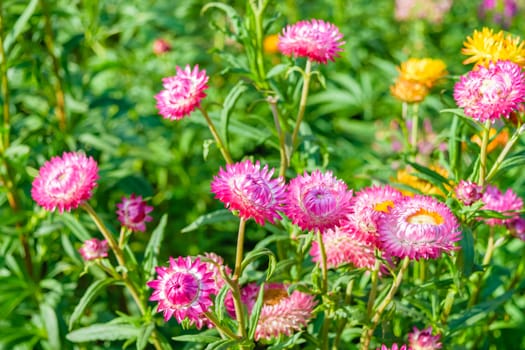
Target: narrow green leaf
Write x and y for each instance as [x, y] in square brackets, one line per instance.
[223, 344]
[51, 324]
[76, 228]
[466, 255]
[220, 215]
[196, 338]
[103, 331]
[256, 313]
[227, 107]
[20, 23]
[87, 298]
[144, 334]
[256, 254]
[153, 247]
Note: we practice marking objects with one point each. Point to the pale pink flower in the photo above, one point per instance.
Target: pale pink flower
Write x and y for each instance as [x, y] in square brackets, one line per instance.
[430, 10]
[317, 201]
[369, 205]
[94, 249]
[394, 347]
[65, 182]
[493, 92]
[282, 313]
[507, 203]
[133, 213]
[250, 190]
[317, 40]
[344, 245]
[183, 290]
[423, 339]
[468, 192]
[418, 227]
[182, 93]
[501, 11]
[161, 46]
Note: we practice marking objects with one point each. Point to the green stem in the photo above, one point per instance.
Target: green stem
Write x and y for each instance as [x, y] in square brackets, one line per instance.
[272, 101]
[515, 137]
[483, 153]
[236, 292]
[447, 305]
[224, 331]
[302, 103]
[478, 277]
[4, 142]
[224, 151]
[324, 289]
[373, 290]
[369, 331]
[343, 321]
[415, 127]
[60, 108]
[258, 10]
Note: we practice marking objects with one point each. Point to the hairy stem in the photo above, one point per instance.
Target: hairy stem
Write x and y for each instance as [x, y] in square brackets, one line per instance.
[272, 101]
[236, 292]
[483, 153]
[302, 103]
[4, 142]
[220, 144]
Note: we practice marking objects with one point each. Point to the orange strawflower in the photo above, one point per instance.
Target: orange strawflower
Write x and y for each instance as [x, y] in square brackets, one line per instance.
[270, 44]
[409, 91]
[425, 71]
[485, 46]
[498, 140]
[419, 185]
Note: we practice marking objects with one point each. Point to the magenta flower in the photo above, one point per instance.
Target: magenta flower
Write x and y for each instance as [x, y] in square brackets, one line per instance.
[418, 227]
[501, 11]
[65, 182]
[182, 93]
[94, 249]
[423, 340]
[468, 192]
[394, 347]
[133, 213]
[282, 313]
[183, 290]
[517, 228]
[489, 93]
[507, 203]
[344, 245]
[317, 201]
[369, 205]
[317, 40]
[250, 190]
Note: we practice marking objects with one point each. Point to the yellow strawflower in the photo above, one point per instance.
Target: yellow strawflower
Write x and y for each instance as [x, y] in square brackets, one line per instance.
[419, 185]
[425, 71]
[485, 46]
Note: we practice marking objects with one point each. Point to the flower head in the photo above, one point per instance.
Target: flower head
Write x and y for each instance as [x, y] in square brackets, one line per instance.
[344, 245]
[423, 339]
[394, 347]
[161, 46]
[317, 201]
[468, 192]
[418, 227]
[409, 91]
[425, 71]
[65, 182]
[133, 213]
[430, 10]
[507, 203]
[271, 44]
[182, 93]
[317, 40]
[282, 313]
[485, 47]
[94, 249]
[419, 185]
[517, 228]
[183, 289]
[250, 190]
[489, 93]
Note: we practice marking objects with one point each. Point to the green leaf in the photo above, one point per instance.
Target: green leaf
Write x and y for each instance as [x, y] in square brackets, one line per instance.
[256, 254]
[256, 313]
[87, 298]
[227, 108]
[153, 247]
[223, 344]
[196, 338]
[512, 161]
[220, 215]
[144, 334]
[76, 228]
[21, 22]
[103, 331]
[50, 321]
[466, 255]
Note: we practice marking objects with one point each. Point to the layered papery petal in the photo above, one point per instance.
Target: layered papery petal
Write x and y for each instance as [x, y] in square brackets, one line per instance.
[183, 290]
[418, 227]
[423, 339]
[317, 201]
[249, 189]
[133, 213]
[316, 40]
[65, 182]
[507, 203]
[182, 93]
[94, 249]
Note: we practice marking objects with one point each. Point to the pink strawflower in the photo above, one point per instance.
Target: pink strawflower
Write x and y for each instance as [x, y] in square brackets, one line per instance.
[250, 190]
[423, 340]
[317, 40]
[281, 314]
[65, 182]
[394, 347]
[161, 46]
[182, 93]
[418, 227]
[501, 11]
[183, 290]
[517, 228]
[344, 245]
[133, 213]
[468, 192]
[507, 203]
[317, 201]
[430, 10]
[94, 249]
[369, 205]
[493, 92]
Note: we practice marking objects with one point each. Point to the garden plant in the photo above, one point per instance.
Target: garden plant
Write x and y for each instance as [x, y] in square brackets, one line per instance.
[262, 175]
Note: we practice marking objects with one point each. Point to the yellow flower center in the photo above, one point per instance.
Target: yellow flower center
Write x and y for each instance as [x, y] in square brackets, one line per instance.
[423, 216]
[384, 206]
[274, 296]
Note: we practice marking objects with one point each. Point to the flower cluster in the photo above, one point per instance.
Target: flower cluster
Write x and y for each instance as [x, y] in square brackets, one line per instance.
[416, 77]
